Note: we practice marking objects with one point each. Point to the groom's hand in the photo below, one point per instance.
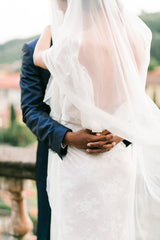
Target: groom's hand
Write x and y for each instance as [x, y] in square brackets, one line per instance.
[115, 140]
[105, 146]
[92, 142]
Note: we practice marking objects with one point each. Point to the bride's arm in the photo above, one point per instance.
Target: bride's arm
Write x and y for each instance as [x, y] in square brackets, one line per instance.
[43, 43]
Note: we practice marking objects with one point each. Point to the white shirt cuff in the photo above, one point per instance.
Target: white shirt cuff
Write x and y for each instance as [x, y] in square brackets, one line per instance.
[63, 145]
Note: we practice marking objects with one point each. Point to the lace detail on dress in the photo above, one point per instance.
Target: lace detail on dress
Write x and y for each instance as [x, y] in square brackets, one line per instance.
[91, 194]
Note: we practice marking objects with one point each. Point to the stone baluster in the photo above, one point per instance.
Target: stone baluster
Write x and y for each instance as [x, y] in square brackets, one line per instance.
[19, 223]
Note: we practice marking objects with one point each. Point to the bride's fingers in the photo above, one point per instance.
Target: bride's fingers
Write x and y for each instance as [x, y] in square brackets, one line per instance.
[101, 138]
[107, 148]
[100, 141]
[96, 145]
[101, 144]
[94, 151]
[105, 132]
[98, 134]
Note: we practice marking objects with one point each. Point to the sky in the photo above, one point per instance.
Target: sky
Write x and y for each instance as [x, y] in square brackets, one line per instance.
[25, 18]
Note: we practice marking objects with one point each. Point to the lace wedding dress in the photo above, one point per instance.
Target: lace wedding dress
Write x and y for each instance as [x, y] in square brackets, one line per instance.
[98, 65]
[90, 195]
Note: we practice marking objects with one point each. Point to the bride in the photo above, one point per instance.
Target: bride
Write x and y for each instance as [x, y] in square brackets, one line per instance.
[98, 64]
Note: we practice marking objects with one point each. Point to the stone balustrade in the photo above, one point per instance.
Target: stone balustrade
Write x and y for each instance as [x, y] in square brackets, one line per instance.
[17, 166]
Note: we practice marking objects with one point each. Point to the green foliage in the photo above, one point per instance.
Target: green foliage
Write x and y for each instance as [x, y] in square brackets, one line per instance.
[12, 50]
[153, 64]
[5, 207]
[34, 221]
[155, 48]
[12, 115]
[16, 134]
[153, 22]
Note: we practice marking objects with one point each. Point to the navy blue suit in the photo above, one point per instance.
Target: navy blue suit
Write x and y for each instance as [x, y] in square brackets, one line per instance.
[50, 133]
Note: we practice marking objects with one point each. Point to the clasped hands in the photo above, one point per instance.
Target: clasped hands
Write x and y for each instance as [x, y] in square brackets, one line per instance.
[92, 142]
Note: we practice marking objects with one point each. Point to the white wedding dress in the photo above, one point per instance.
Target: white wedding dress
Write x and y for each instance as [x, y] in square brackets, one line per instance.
[90, 195]
[98, 65]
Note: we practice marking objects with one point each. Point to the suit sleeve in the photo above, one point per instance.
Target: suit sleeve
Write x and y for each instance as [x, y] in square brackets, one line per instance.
[35, 111]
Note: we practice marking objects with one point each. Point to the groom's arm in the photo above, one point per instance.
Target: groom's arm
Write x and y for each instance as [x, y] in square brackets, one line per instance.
[35, 111]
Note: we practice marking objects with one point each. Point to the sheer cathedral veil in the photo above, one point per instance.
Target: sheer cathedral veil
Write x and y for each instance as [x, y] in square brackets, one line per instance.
[99, 60]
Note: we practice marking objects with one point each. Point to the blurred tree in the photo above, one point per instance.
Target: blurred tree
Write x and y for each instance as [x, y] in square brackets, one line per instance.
[153, 22]
[155, 48]
[12, 115]
[153, 64]
[16, 134]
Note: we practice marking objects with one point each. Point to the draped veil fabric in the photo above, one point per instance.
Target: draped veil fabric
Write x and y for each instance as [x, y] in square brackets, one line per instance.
[99, 61]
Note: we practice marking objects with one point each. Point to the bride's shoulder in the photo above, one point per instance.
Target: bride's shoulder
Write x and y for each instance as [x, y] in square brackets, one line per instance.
[140, 26]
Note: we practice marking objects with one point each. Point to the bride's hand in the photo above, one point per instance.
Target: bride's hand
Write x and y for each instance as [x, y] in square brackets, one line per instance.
[105, 146]
[43, 44]
[116, 139]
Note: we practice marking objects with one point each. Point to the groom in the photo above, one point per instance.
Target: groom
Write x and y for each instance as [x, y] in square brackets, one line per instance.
[50, 133]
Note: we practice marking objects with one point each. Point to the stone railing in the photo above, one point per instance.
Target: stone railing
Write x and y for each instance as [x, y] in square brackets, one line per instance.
[17, 166]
